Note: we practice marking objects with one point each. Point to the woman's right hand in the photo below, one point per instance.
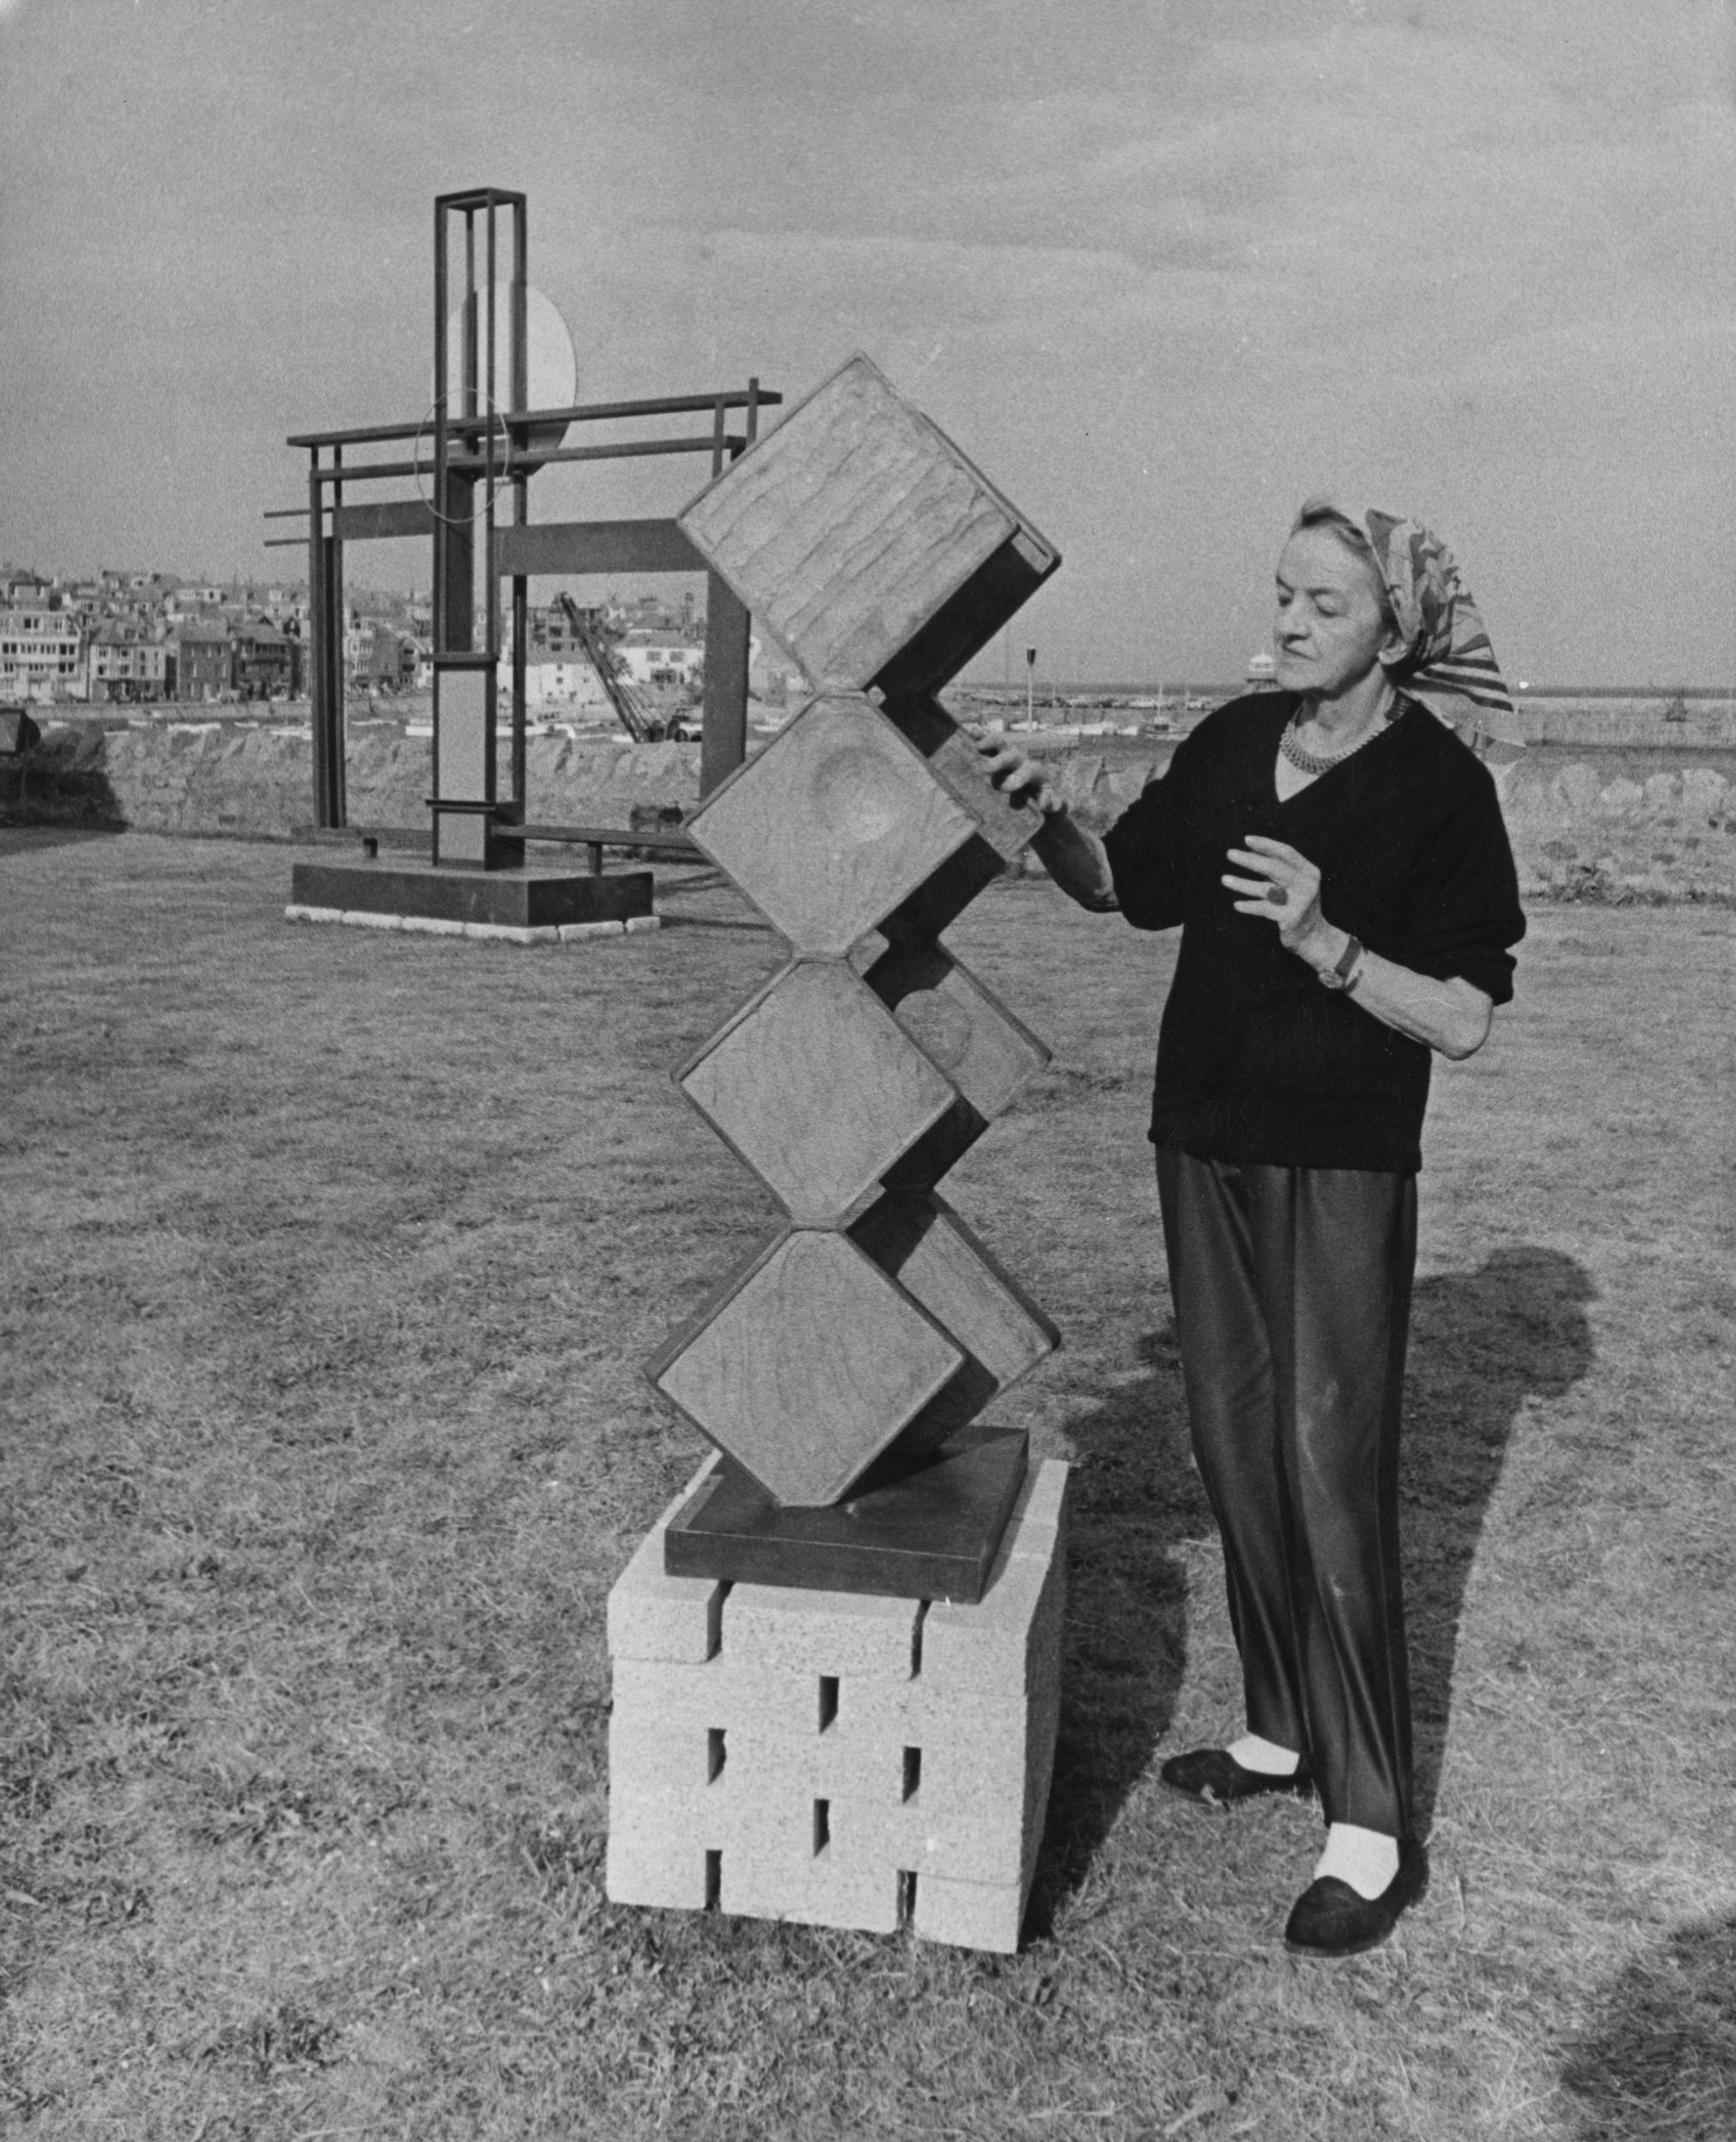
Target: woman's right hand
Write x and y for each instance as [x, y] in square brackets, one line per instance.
[1019, 779]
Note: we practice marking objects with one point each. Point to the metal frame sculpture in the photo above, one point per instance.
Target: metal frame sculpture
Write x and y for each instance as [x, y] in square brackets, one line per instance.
[481, 446]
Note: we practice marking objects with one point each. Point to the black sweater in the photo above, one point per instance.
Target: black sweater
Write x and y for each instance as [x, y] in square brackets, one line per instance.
[1256, 1061]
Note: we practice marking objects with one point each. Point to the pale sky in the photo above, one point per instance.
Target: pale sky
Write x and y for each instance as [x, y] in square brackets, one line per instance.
[1161, 266]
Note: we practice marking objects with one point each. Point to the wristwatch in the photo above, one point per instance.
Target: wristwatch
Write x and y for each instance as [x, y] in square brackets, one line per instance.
[1343, 975]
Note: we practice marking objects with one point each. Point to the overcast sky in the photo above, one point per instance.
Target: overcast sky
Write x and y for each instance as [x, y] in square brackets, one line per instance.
[1161, 266]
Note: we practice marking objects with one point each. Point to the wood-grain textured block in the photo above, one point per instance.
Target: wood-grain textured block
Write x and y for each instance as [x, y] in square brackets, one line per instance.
[873, 548]
[810, 1366]
[834, 824]
[922, 1244]
[965, 1031]
[817, 1087]
[1007, 826]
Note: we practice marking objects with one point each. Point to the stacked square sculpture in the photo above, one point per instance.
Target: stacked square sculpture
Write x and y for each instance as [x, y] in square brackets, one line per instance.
[836, 1656]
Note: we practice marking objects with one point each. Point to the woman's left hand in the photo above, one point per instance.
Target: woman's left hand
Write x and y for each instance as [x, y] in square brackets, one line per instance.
[1285, 888]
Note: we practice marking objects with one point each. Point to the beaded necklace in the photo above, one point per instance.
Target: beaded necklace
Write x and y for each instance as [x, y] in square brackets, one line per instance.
[1317, 762]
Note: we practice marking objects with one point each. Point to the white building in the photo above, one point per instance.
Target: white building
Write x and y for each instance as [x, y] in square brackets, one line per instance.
[652, 656]
[562, 683]
[41, 655]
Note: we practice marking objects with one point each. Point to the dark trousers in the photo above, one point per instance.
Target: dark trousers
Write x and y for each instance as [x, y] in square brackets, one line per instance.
[1292, 1297]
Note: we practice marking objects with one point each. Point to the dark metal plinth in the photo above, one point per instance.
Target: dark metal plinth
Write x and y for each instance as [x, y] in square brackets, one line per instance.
[531, 899]
[928, 1531]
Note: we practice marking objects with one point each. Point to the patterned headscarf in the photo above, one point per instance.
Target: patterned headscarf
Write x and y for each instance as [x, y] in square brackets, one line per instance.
[1448, 664]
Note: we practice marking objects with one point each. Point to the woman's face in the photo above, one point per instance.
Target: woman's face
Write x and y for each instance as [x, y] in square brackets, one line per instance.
[1332, 626]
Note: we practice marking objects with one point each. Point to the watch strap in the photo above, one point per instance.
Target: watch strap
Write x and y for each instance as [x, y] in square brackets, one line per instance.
[1341, 975]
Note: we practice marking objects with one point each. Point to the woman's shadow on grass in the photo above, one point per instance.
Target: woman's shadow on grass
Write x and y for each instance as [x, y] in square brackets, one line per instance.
[1483, 1345]
[1659, 2055]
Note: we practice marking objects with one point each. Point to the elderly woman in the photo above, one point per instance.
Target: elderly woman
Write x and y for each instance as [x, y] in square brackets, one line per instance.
[1335, 856]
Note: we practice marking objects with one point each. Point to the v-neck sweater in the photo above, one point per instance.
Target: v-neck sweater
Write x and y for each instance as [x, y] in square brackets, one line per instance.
[1257, 1063]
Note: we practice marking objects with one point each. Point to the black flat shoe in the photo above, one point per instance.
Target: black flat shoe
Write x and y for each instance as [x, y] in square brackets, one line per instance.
[1214, 1775]
[1330, 1919]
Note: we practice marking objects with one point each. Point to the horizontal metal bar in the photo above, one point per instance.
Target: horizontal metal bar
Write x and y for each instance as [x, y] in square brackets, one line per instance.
[578, 413]
[668, 842]
[284, 513]
[284, 542]
[474, 465]
[481, 197]
[370, 523]
[581, 547]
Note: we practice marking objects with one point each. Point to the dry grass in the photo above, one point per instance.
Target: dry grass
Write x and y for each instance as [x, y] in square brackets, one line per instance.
[328, 1260]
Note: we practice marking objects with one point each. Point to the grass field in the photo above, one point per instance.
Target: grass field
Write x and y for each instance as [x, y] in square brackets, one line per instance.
[328, 1260]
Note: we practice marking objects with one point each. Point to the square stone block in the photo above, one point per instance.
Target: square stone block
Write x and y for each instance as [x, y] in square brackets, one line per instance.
[965, 1031]
[817, 1087]
[872, 547]
[921, 1243]
[808, 1367]
[833, 825]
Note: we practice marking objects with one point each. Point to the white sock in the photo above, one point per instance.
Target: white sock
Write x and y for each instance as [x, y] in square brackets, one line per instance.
[1366, 1858]
[1265, 1757]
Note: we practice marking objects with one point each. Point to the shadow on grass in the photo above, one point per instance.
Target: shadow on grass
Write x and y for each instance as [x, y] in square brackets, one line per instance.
[1482, 1344]
[27, 838]
[62, 786]
[1660, 2059]
[1135, 1498]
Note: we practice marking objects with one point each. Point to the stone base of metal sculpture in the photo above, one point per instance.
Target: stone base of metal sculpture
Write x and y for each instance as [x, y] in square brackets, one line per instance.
[499, 899]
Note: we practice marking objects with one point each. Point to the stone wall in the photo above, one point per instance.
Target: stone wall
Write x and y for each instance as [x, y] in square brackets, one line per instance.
[222, 779]
[1578, 832]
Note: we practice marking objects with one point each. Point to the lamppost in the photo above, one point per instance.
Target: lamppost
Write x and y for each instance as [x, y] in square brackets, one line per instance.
[1030, 685]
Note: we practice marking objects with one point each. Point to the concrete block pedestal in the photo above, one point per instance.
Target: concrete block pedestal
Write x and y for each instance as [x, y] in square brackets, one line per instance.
[839, 1759]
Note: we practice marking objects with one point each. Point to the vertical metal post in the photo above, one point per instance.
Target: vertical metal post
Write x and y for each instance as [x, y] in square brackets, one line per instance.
[521, 495]
[334, 568]
[437, 488]
[723, 717]
[489, 405]
[319, 666]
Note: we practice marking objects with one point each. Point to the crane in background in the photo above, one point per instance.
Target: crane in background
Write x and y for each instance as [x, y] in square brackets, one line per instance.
[631, 710]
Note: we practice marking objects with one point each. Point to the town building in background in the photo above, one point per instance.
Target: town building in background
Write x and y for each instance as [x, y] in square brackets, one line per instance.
[119, 638]
[128, 664]
[42, 652]
[201, 663]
